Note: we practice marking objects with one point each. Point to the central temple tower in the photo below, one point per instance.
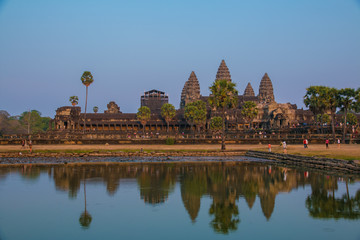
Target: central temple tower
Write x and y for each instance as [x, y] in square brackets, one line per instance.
[223, 72]
[266, 91]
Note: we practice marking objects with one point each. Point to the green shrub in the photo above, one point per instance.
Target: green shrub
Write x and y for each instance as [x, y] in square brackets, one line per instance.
[170, 141]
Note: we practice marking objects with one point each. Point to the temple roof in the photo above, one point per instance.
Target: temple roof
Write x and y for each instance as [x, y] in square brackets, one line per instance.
[154, 91]
[223, 72]
[154, 94]
[249, 91]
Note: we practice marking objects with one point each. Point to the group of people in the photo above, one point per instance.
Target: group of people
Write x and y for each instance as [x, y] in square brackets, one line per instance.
[306, 144]
[283, 144]
[327, 141]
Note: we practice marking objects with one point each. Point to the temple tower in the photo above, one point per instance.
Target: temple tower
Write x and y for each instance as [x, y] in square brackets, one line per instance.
[249, 91]
[154, 99]
[223, 72]
[266, 91]
[191, 90]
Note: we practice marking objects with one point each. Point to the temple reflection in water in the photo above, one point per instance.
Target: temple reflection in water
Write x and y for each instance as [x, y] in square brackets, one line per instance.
[223, 183]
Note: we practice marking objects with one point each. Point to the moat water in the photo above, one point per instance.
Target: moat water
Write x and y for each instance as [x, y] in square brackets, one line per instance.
[215, 200]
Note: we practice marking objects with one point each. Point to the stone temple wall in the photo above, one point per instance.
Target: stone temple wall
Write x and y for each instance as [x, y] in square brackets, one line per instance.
[271, 115]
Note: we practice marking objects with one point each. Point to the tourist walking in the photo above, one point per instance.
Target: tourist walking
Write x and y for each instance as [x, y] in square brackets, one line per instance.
[269, 147]
[284, 146]
[327, 143]
[305, 143]
[338, 142]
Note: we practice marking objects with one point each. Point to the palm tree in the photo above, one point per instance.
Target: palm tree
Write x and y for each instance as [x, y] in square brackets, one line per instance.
[168, 112]
[86, 79]
[249, 111]
[74, 100]
[331, 97]
[95, 109]
[347, 102]
[143, 115]
[223, 97]
[315, 101]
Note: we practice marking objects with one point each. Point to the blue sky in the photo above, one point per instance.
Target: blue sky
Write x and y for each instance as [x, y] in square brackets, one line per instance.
[137, 45]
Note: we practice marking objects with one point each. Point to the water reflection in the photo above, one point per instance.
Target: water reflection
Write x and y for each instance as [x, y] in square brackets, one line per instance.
[224, 183]
[85, 218]
[323, 202]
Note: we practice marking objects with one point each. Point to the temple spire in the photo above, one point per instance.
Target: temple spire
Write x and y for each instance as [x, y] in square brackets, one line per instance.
[249, 91]
[223, 72]
[266, 91]
[191, 90]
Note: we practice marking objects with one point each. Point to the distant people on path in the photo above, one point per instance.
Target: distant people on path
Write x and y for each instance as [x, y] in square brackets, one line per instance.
[269, 147]
[284, 146]
[327, 143]
[22, 144]
[338, 142]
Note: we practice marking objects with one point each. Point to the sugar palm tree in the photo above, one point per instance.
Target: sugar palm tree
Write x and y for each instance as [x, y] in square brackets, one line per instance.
[168, 112]
[74, 100]
[223, 97]
[347, 101]
[331, 97]
[314, 100]
[86, 79]
[143, 115]
[95, 109]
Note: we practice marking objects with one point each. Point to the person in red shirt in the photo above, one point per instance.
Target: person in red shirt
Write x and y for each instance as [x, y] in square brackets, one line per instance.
[327, 143]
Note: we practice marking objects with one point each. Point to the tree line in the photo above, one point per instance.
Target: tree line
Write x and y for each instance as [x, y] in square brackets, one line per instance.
[322, 100]
[29, 122]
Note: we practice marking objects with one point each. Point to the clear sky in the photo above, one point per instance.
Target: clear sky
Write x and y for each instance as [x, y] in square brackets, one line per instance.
[137, 45]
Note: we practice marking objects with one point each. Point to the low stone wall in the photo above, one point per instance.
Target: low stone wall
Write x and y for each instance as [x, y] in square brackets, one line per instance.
[328, 164]
[125, 154]
[264, 141]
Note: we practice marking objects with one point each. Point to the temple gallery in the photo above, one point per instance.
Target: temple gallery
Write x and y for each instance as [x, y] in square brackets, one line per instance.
[271, 114]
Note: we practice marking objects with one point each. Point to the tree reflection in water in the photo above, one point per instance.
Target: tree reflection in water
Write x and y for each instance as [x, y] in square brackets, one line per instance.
[156, 183]
[322, 203]
[85, 218]
[225, 183]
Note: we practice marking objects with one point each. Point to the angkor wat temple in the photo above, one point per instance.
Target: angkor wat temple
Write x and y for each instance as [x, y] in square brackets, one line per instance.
[271, 115]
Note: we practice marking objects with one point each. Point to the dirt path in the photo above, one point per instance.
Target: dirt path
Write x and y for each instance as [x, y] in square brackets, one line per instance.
[349, 152]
